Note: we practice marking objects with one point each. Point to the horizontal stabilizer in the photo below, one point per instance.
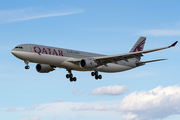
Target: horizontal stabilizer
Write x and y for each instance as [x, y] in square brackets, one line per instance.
[142, 63]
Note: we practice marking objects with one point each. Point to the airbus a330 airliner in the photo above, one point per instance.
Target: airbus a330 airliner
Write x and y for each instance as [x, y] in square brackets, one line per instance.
[49, 58]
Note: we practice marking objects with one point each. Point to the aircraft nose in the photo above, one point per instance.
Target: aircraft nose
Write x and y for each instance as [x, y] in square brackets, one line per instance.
[12, 51]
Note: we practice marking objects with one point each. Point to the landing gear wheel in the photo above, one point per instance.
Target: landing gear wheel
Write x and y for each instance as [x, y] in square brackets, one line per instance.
[92, 73]
[27, 67]
[71, 79]
[96, 73]
[96, 77]
[74, 79]
[70, 76]
[67, 76]
[100, 76]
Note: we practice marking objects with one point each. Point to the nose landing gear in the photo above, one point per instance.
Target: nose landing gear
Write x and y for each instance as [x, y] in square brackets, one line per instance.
[70, 75]
[27, 66]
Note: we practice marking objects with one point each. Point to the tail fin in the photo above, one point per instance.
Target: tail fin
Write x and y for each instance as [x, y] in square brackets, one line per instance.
[139, 45]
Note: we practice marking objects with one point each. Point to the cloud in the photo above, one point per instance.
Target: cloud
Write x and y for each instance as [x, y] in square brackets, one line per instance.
[58, 100]
[161, 32]
[11, 109]
[110, 90]
[86, 107]
[83, 92]
[102, 108]
[75, 90]
[7, 16]
[157, 103]
[29, 118]
[34, 107]
[129, 116]
[54, 117]
[64, 109]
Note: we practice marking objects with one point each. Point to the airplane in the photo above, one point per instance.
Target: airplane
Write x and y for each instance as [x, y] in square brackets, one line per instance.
[48, 58]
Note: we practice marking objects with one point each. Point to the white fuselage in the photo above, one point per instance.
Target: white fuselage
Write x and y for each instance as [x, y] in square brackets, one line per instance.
[60, 57]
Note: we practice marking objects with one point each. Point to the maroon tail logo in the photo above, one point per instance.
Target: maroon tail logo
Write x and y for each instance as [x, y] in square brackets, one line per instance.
[139, 47]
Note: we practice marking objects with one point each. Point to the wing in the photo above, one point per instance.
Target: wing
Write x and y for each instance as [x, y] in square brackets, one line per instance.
[113, 58]
[103, 60]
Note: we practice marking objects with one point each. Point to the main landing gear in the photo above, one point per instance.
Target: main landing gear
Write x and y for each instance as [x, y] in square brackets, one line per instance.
[96, 75]
[70, 75]
[27, 66]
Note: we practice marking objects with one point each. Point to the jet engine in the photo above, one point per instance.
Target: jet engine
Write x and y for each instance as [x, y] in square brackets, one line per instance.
[87, 63]
[43, 68]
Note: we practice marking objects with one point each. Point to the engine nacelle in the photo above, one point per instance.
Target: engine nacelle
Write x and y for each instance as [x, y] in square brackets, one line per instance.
[43, 68]
[87, 64]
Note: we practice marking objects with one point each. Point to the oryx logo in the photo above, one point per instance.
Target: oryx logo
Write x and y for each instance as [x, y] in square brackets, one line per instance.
[91, 63]
[140, 46]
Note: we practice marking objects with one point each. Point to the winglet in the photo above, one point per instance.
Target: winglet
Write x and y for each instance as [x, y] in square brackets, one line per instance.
[174, 44]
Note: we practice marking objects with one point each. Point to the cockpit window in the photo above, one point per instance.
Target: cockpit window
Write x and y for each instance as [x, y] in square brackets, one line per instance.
[19, 47]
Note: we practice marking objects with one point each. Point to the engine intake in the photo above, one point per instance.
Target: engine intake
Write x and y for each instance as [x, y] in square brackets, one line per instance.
[87, 64]
[43, 68]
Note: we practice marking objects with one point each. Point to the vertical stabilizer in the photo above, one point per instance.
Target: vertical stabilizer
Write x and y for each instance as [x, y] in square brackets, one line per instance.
[139, 45]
